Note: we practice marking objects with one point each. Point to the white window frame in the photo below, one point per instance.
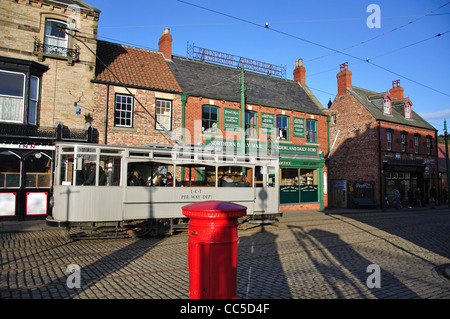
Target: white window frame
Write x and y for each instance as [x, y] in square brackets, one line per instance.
[131, 112]
[15, 97]
[163, 118]
[389, 141]
[55, 41]
[35, 100]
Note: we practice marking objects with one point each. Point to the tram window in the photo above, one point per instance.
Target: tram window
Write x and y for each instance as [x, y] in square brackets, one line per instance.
[150, 174]
[37, 170]
[9, 170]
[66, 170]
[86, 171]
[234, 176]
[271, 181]
[111, 166]
[197, 176]
[259, 176]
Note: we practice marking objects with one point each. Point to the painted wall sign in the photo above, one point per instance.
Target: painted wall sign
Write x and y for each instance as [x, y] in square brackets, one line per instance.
[231, 119]
[298, 125]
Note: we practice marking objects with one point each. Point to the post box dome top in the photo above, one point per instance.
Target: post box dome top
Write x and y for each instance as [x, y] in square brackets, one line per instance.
[214, 210]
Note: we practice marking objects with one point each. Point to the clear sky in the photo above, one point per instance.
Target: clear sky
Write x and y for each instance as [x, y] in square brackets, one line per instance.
[404, 46]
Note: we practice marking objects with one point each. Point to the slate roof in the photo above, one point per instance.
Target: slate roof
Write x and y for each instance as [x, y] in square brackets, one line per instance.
[372, 101]
[134, 67]
[223, 83]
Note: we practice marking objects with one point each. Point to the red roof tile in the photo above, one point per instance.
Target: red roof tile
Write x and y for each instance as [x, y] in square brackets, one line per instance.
[134, 67]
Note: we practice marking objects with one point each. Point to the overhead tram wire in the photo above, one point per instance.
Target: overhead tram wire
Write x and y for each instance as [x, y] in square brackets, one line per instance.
[380, 35]
[316, 44]
[122, 84]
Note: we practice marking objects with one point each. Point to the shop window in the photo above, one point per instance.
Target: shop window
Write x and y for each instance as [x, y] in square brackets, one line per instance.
[9, 170]
[210, 119]
[289, 186]
[309, 185]
[38, 170]
[282, 127]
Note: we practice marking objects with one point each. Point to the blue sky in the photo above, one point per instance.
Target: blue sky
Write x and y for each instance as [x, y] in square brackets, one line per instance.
[404, 47]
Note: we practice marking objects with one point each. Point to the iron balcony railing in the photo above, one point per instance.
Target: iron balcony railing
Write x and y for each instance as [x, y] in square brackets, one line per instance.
[40, 47]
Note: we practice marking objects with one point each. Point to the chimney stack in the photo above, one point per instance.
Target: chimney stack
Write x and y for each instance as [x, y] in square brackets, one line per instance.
[300, 72]
[165, 44]
[397, 91]
[344, 79]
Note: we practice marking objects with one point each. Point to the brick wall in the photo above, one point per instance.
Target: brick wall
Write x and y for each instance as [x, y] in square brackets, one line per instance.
[355, 152]
[143, 130]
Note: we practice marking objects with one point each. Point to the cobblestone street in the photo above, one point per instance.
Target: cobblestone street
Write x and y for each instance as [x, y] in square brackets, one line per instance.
[305, 255]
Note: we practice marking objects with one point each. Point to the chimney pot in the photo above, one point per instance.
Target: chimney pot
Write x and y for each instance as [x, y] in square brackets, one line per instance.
[344, 79]
[165, 44]
[300, 72]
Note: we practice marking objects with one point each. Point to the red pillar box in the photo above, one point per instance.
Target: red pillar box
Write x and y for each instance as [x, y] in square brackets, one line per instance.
[212, 249]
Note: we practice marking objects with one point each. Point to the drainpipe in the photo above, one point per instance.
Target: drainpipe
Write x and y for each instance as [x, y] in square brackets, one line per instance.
[106, 114]
[382, 195]
[183, 112]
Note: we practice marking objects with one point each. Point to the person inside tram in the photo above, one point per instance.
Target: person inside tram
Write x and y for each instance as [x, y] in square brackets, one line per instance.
[159, 181]
[169, 181]
[90, 180]
[136, 180]
[243, 181]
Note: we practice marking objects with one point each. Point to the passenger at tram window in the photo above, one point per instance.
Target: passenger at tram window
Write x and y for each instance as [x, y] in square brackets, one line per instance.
[169, 181]
[228, 181]
[159, 181]
[243, 181]
[136, 180]
[90, 172]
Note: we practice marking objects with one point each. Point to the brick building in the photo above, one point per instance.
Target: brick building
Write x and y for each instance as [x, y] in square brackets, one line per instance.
[127, 116]
[379, 145]
[280, 116]
[44, 72]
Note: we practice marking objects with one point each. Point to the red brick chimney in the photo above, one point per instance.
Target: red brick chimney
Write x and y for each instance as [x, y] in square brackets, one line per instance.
[344, 79]
[299, 72]
[396, 91]
[165, 44]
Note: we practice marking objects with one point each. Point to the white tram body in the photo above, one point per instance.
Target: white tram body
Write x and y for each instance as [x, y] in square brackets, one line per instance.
[119, 186]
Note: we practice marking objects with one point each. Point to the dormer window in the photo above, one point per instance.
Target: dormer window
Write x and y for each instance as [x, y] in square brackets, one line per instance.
[387, 105]
[407, 108]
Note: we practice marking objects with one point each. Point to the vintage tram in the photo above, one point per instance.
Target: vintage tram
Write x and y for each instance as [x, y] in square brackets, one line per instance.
[124, 190]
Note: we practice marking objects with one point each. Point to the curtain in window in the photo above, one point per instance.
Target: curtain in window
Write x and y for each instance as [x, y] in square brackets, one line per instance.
[11, 109]
[55, 40]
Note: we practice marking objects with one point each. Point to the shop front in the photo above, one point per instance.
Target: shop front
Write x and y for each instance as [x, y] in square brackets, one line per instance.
[302, 178]
[25, 180]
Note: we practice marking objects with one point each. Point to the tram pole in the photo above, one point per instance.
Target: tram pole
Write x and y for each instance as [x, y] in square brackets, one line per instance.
[242, 91]
[447, 161]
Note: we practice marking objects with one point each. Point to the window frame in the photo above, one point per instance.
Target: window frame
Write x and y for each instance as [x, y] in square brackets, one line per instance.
[286, 128]
[403, 141]
[315, 132]
[35, 100]
[49, 21]
[157, 126]
[209, 120]
[24, 90]
[389, 140]
[387, 106]
[116, 111]
[252, 127]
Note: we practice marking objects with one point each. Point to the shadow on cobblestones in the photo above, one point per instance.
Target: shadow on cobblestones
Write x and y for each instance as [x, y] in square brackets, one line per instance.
[260, 270]
[116, 267]
[343, 270]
